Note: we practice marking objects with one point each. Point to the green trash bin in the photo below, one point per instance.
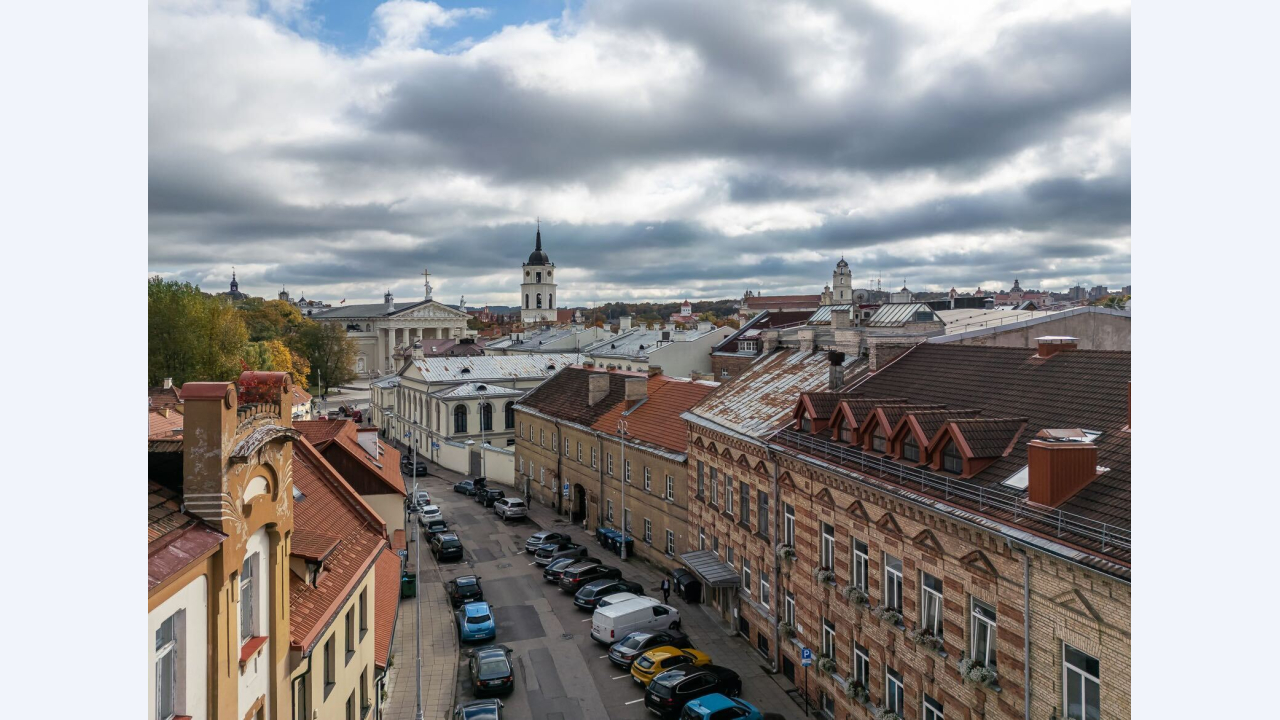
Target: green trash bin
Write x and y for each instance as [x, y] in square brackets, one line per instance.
[408, 584]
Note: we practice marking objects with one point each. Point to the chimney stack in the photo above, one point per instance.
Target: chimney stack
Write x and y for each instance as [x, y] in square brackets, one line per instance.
[624, 323]
[597, 388]
[168, 383]
[655, 370]
[635, 390]
[1060, 463]
[806, 336]
[1051, 345]
[210, 426]
[769, 341]
[836, 377]
[840, 319]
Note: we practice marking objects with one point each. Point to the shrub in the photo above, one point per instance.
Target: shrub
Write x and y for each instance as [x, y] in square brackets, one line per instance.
[823, 575]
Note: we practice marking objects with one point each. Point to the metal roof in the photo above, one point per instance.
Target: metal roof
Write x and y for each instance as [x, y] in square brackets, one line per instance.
[638, 343]
[369, 311]
[475, 389]
[492, 367]
[823, 314]
[711, 569]
[898, 314]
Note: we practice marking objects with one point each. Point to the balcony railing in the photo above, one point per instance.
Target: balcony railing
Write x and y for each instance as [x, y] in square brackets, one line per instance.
[954, 489]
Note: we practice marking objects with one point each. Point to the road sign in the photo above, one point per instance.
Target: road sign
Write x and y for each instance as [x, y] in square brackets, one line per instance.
[435, 445]
[566, 489]
[806, 657]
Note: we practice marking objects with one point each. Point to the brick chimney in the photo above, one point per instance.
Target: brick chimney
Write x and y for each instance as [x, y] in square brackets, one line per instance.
[597, 387]
[1060, 463]
[836, 373]
[635, 390]
[210, 428]
[768, 341]
[806, 337]
[655, 370]
[1051, 345]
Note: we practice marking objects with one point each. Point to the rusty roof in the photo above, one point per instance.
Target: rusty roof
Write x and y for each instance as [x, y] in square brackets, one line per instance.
[764, 395]
[330, 508]
[175, 539]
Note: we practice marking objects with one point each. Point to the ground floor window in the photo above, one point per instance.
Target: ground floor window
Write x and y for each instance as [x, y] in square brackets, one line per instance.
[932, 709]
[762, 644]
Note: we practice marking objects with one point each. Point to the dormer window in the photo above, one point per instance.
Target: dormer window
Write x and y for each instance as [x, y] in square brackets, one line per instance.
[806, 424]
[952, 462]
[910, 450]
[878, 440]
[846, 433]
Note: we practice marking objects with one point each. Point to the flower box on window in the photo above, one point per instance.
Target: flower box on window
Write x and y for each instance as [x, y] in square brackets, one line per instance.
[856, 692]
[855, 595]
[888, 614]
[975, 672]
[925, 639]
[785, 552]
[884, 714]
[826, 665]
[823, 575]
[787, 630]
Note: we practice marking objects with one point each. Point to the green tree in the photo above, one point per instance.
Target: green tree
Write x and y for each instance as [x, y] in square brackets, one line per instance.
[329, 352]
[270, 319]
[191, 335]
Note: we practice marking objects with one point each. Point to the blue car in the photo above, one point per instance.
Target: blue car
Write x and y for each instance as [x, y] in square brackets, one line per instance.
[475, 622]
[719, 707]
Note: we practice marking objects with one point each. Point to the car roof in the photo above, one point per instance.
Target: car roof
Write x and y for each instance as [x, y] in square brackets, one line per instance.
[430, 507]
[485, 653]
[627, 606]
[714, 702]
[663, 651]
[476, 608]
[448, 536]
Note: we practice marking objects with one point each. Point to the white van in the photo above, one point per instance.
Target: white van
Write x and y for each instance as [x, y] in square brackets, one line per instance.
[611, 624]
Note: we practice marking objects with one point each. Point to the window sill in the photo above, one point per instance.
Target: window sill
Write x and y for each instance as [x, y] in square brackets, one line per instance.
[364, 711]
[762, 536]
[744, 525]
[250, 648]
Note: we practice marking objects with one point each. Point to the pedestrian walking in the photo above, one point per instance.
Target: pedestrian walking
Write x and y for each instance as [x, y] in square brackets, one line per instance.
[666, 590]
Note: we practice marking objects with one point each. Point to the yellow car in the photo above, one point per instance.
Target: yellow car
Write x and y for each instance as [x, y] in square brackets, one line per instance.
[661, 659]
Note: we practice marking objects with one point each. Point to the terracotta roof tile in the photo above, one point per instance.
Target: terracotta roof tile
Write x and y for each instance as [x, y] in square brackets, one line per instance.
[990, 437]
[163, 397]
[386, 604]
[300, 395]
[312, 545]
[163, 422]
[657, 419]
[330, 508]
[317, 432]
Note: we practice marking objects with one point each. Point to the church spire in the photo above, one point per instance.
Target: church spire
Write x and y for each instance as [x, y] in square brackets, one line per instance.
[539, 236]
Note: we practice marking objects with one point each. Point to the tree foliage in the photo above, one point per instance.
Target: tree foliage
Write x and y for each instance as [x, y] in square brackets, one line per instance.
[329, 351]
[271, 319]
[191, 335]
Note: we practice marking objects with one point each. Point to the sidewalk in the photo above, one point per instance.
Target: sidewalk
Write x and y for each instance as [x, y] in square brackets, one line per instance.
[768, 691]
[439, 649]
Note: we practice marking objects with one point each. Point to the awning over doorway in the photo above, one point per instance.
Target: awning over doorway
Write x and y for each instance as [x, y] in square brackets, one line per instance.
[711, 569]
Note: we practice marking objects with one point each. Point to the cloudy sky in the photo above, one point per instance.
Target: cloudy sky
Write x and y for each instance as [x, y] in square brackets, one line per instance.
[672, 148]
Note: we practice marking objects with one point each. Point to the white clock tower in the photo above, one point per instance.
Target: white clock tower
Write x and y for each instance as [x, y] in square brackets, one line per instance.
[538, 287]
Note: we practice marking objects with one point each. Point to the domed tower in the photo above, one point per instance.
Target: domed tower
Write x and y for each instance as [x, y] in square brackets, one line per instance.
[841, 283]
[537, 286]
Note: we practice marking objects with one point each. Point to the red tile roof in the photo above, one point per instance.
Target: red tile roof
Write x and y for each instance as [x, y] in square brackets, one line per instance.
[397, 540]
[300, 395]
[657, 419]
[162, 422]
[162, 397]
[345, 435]
[175, 540]
[312, 545]
[330, 507]
[317, 432]
[386, 604]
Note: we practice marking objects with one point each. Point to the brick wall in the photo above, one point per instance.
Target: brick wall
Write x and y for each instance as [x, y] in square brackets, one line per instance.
[733, 364]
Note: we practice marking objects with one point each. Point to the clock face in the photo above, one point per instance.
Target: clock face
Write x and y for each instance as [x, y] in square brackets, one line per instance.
[526, 273]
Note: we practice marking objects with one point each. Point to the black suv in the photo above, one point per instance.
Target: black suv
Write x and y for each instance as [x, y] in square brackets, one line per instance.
[589, 595]
[574, 578]
[670, 691]
[625, 651]
[464, 589]
[446, 546]
[556, 568]
[488, 497]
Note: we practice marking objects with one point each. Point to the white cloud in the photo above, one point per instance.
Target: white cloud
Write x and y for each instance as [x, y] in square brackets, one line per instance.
[403, 24]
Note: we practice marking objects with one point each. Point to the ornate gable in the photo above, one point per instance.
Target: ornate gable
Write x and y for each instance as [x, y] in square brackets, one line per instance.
[824, 498]
[858, 512]
[760, 468]
[431, 310]
[928, 542]
[1076, 602]
[784, 480]
[978, 562]
[888, 525]
[742, 460]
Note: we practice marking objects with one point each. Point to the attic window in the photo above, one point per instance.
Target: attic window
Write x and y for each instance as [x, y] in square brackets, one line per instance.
[846, 433]
[481, 388]
[806, 424]
[552, 366]
[465, 370]
[910, 450]
[878, 440]
[952, 462]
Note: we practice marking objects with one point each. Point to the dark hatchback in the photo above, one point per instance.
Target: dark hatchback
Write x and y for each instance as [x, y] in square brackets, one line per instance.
[589, 595]
[625, 651]
[556, 568]
[574, 578]
[446, 546]
[479, 710]
[463, 590]
[491, 672]
[466, 487]
[434, 528]
[488, 497]
[670, 691]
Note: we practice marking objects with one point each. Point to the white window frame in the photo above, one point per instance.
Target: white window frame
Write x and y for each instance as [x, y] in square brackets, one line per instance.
[1083, 680]
[521, 466]
[861, 563]
[894, 693]
[827, 550]
[828, 638]
[930, 709]
[671, 543]
[609, 507]
[788, 525]
[608, 464]
[626, 470]
[746, 575]
[648, 531]
[626, 520]
[930, 604]
[892, 583]
[648, 479]
[728, 494]
[982, 627]
[861, 672]
[764, 588]
[171, 652]
[567, 447]
[579, 452]
[594, 458]
[789, 609]
[671, 488]
[248, 591]
[702, 539]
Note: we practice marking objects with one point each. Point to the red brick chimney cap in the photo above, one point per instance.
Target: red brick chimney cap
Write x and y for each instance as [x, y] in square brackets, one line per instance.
[204, 391]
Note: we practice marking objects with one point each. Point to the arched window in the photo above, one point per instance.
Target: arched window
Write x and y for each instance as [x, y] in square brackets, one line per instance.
[952, 461]
[878, 439]
[539, 299]
[368, 327]
[551, 300]
[526, 301]
[486, 417]
[910, 450]
[511, 415]
[460, 419]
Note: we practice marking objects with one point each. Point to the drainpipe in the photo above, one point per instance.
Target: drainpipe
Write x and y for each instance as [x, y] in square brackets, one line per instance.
[559, 464]
[1026, 631]
[293, 684]
[600, 473]
[777, 563]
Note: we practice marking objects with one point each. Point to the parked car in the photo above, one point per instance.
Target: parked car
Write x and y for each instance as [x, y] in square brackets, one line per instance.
[610, 624]
[670, 691]
[615, 598]
[660, 660]
[625, 651]
[435, 527]
[464, 589]
[555, 568]
[428, 513]
[491, 672]
[466, 487]
[574, 578]
[489, 496]
[408, 467]
[333, 414]
[475, 622]
[590, 594]
[551, 551]
[539, 539]
[446, 546]
[358, 416]
[419, 499]
[479, 710]
[511, 509]
[717, 706]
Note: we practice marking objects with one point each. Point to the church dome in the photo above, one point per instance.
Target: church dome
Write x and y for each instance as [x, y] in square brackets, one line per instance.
[538, 257]
[842, 264]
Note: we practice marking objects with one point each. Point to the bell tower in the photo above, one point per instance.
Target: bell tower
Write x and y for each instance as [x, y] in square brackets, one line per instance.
[538, 286]
[841, 284]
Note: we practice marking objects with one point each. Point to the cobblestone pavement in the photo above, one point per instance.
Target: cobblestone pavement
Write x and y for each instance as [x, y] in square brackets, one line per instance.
[560, 671]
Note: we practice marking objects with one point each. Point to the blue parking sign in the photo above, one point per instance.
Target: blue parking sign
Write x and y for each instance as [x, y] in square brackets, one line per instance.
[806, 657]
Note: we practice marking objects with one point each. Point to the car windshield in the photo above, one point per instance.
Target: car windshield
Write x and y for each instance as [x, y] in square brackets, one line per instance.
[515, 503]
[645, 662]
[451, 543]
[468, 589]
[477, 619]
[631, 642]
[494, 668]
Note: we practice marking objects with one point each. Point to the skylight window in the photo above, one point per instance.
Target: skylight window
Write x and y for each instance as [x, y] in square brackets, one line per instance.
[1019, 479]
[297, 494]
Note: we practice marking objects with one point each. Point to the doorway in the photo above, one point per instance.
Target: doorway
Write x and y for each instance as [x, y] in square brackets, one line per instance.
[579, 512]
